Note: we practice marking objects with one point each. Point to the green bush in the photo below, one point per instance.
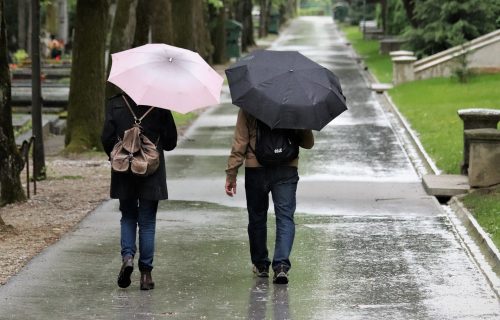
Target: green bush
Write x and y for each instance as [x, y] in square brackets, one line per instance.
[20, 56]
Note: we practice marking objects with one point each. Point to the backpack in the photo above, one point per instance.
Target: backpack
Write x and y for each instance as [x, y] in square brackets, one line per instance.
[274, 147]
[135, 152]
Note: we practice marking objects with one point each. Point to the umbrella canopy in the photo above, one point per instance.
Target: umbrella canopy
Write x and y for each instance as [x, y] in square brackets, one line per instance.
[284, 89]
[164, 76]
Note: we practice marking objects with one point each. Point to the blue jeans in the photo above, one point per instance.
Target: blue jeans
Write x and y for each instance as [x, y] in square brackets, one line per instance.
[282, 183]
[139, 213]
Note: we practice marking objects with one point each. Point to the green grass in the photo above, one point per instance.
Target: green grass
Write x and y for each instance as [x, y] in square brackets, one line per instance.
[182, 120]
[485, 205]
[431, 108]
[379, 65]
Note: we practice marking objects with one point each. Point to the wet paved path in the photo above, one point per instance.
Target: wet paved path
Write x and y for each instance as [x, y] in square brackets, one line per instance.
[370, 243]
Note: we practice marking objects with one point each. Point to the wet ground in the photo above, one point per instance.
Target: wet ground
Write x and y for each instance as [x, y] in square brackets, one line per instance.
[370, 244]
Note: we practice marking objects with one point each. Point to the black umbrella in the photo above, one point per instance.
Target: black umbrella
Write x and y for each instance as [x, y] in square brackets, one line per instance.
[284, 89]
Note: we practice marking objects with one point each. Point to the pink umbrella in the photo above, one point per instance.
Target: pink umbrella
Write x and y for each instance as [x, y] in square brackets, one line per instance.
[168, 77]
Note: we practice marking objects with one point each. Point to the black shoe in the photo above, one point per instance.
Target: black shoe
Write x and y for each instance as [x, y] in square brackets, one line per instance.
[125, 272]
[146, 281]
[261, 271]
[280, 275]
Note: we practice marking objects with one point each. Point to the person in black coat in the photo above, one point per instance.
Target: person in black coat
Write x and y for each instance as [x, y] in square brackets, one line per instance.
[138, 196]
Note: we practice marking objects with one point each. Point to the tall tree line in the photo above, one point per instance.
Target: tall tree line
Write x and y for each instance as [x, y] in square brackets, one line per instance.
[197, 25]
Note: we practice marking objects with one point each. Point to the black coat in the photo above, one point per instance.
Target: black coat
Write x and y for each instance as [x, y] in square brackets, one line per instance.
[159, 123]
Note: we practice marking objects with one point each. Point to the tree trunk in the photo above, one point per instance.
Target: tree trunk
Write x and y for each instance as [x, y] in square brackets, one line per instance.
[244, 16]
[36, 94]
[184, 24]
[218, 34]
[189, 21]
[87, 86]
[263, 18]
[143, 22]
[161, 27]
[410, 12]
[11, 163]
[22, 27]
[121, 35]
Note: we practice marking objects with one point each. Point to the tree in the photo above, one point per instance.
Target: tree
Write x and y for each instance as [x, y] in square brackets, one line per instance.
[217, 18]
[154, 17]
[122, 34]
[11, 163]
[143, 22]
[189, 20]
[442, 25]
[161, 28]
[263, 17]
[244, 16]
[409, 6]
[87, 84]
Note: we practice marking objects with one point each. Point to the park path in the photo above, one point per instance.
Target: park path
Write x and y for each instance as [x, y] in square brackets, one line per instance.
[370, 244]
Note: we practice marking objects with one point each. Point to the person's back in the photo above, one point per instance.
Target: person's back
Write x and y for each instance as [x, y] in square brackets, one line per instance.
[279, 180]
[138, 195]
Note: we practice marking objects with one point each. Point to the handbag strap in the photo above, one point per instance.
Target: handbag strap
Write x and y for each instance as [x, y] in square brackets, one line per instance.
[136, 120]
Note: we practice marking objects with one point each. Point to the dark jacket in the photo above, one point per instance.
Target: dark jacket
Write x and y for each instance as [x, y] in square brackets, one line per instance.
[157, 125]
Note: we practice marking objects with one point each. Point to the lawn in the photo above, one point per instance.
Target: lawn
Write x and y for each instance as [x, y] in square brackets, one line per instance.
[485, 205]
[182, 120]
[379, 65]
[431, 108]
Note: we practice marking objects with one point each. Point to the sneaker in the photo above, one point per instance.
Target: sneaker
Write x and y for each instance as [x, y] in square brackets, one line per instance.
[280, 275]
[125, 272]
[261, 271]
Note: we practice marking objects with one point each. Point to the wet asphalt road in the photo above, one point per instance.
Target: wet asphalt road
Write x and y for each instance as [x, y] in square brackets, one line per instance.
[370, 244]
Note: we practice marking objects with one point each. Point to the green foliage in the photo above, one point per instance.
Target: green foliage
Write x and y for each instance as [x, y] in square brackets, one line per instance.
[431, 108]
[360, 10]
[485, 206]
[19, 56]
[182, 120]
[444, 24]
[314, 7]
[397, 22]
[216, 3]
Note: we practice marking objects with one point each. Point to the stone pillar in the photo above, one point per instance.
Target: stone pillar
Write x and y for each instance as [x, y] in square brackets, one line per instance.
[484, 158]
[402, 70]
[476, 119]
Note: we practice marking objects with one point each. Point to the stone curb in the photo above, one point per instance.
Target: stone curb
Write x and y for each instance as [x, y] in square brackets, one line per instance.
[478, 234]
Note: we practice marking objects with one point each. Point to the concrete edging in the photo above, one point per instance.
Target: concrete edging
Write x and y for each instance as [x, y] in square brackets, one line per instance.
[479, 235]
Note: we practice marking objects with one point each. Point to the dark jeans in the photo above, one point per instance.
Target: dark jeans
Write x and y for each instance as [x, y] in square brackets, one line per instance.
[282, 183]
[139, 213]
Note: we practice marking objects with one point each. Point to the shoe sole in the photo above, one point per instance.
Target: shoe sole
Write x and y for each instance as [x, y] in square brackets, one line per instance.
[151, 287]
[124, 278]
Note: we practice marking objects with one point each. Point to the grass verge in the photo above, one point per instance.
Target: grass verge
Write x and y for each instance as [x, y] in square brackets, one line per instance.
[380, 65]
[431, 108]
[485, 206]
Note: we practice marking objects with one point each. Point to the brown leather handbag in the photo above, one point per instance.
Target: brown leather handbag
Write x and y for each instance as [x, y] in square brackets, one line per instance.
[135, 152]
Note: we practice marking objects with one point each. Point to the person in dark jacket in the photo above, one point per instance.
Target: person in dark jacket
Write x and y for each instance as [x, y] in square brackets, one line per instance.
[138, 196]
